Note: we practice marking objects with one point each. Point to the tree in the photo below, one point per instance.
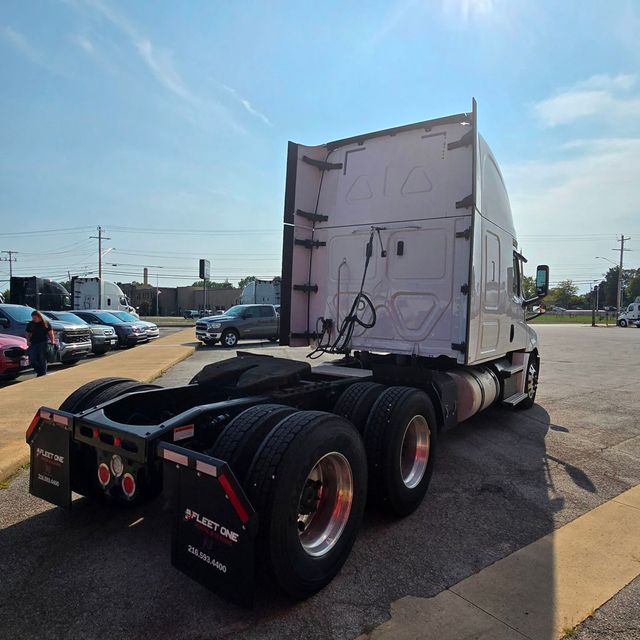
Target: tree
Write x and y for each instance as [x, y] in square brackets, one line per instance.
[213, 285]
[242, 283]
[564, 294]
[528, 287]
[5, 295]
[633, 286]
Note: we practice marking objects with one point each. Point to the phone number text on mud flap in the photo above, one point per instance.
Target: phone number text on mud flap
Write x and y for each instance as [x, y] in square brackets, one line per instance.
[206, 558]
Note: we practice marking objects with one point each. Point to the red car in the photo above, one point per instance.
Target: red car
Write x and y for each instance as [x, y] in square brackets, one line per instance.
[13, 356]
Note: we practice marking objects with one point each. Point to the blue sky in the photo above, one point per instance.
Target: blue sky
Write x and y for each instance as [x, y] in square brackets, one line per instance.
[175, 116]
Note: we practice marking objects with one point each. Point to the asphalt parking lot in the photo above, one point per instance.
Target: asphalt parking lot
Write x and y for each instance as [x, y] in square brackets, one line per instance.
[502, 480]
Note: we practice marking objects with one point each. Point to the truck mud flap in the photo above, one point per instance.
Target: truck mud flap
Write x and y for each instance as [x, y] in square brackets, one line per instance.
[49, 437]
[214, 524]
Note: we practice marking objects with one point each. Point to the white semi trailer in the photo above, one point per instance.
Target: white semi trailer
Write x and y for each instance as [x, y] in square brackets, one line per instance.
[97, 293]
[400, 254]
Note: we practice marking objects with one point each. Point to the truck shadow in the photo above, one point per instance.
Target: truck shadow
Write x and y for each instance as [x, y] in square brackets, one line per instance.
[100, 569]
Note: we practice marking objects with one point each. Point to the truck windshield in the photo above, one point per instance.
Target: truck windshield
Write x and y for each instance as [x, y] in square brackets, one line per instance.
[18, 313]
[109, 318]
[235, 312]
[123, 315]
[67, 317]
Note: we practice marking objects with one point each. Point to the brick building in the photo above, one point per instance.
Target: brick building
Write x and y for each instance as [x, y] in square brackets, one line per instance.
[172, 301]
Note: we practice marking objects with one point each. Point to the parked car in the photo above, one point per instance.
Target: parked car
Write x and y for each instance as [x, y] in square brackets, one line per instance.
[559, 310]
[151, 328]
[241, 321]
[103, 338]
[129, 333]
[190, 313]
[73, 339]
[13, 356]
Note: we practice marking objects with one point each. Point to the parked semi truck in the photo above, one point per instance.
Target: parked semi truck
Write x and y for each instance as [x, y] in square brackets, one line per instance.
[97, 293]
[261, 292]
[39, 293]
[399, 257]
[631, 315]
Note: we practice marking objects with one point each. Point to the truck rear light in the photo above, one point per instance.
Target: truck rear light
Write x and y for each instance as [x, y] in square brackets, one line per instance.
[128, 485]
[104, 475]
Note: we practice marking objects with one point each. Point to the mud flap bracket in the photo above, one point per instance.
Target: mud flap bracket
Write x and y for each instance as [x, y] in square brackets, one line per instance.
[214, 524]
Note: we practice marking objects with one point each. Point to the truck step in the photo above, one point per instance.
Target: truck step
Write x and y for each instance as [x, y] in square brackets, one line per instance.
[515, 399]
[507, 372]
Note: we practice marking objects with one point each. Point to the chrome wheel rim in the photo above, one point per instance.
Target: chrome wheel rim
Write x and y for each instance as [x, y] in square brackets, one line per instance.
[325, 504]
[230, 340]
[414, 452]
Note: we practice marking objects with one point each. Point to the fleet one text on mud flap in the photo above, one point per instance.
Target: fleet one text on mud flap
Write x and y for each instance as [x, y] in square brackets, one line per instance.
[399, 254]
[214, 524]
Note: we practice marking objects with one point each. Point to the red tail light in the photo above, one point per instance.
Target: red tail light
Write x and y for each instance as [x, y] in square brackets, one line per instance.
[104, 475]
[128, 485]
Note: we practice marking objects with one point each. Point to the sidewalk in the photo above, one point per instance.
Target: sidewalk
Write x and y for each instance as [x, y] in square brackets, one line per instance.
[19, 402]
[594, 557]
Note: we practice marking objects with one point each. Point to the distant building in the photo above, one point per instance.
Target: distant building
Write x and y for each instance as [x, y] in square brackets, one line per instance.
[172, 301]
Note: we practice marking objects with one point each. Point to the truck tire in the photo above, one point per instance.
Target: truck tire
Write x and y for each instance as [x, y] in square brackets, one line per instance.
[229, 338]
[119, 389]
[356, 401]
[400, 442]
[622, 323]
[242, 437]
[81, 398]
[531, 384]
[83, 457]
[305, 536]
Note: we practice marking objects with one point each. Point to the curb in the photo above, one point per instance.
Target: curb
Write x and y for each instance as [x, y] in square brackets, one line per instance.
[145, 363]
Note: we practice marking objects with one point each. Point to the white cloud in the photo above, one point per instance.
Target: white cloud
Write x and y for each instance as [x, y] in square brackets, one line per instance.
[20, 43]
[469, 9]
[159, 62]
[623, 81]
[248, 106]
[586, 187]
[85, 44]
[598, 96]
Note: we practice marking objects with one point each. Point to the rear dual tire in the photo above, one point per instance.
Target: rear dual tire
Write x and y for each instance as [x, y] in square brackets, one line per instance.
[308, 483]
[305, 474]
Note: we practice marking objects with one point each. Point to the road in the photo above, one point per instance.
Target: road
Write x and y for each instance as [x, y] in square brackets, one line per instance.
[502, 480]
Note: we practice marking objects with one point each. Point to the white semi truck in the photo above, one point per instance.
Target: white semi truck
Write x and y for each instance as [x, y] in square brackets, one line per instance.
[631, 315]
[97, 293]
[399, 253]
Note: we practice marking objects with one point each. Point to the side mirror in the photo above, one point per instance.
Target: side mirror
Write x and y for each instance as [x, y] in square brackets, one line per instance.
[542, 280]
[4, 322]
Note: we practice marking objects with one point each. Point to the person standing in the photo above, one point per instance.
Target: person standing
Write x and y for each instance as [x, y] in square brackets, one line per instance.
[39, 333]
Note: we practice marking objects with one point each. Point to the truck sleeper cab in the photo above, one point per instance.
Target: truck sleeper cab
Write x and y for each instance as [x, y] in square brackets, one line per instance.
[271, 457]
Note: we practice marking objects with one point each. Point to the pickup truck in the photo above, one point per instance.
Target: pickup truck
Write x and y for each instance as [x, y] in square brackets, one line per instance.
[239, 322]
[73, 340]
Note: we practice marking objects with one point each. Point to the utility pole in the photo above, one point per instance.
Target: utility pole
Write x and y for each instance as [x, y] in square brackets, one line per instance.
[619, 296]
[10, 260]
[99, 238]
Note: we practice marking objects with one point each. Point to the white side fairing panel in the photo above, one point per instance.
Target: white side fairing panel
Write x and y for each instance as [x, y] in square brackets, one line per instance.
[407, 186]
